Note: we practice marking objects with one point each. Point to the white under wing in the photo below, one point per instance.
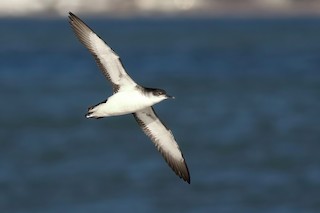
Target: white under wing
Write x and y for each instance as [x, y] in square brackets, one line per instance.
[108, 61]
[164, 141]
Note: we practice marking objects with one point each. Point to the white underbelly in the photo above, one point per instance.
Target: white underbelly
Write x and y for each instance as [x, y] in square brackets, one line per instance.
[123, 103]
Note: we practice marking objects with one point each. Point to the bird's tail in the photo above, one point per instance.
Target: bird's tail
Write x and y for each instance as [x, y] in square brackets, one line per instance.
[90, 113]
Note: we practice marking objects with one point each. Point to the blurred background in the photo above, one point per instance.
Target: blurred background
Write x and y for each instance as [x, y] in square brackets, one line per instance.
[129, 8]
[246, 79]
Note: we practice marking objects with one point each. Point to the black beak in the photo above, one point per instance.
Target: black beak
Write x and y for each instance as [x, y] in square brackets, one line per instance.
[169, 96]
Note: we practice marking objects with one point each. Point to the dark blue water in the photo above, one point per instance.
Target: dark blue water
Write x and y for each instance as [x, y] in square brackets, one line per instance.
[246, 116]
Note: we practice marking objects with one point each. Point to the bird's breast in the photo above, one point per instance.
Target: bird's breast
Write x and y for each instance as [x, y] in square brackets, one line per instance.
[125, 102]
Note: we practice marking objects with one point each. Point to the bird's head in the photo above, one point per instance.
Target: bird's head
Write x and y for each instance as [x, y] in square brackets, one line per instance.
[161, 93]
[158, 94]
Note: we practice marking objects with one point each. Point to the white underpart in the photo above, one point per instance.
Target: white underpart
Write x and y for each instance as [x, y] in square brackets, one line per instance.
[125, 102]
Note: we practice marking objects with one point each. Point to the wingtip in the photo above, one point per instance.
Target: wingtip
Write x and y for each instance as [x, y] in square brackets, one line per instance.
[187, 179]
[71, 14]
[187, 176]
[71, 17]
[182, 171]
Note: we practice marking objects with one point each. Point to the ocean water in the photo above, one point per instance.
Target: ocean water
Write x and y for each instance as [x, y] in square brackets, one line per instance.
[246, 116]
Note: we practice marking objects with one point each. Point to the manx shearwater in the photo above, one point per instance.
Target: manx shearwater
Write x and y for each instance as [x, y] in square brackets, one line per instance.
[129, 97]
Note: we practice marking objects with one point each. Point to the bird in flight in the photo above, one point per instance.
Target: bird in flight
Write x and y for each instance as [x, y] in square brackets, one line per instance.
[129, 97]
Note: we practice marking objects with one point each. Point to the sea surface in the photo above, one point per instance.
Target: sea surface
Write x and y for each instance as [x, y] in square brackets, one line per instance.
[246, 116]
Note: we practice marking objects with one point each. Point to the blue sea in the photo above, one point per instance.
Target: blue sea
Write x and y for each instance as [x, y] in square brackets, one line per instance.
[246, 116]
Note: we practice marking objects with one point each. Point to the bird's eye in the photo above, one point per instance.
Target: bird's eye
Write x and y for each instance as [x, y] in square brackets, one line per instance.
[158, 92]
